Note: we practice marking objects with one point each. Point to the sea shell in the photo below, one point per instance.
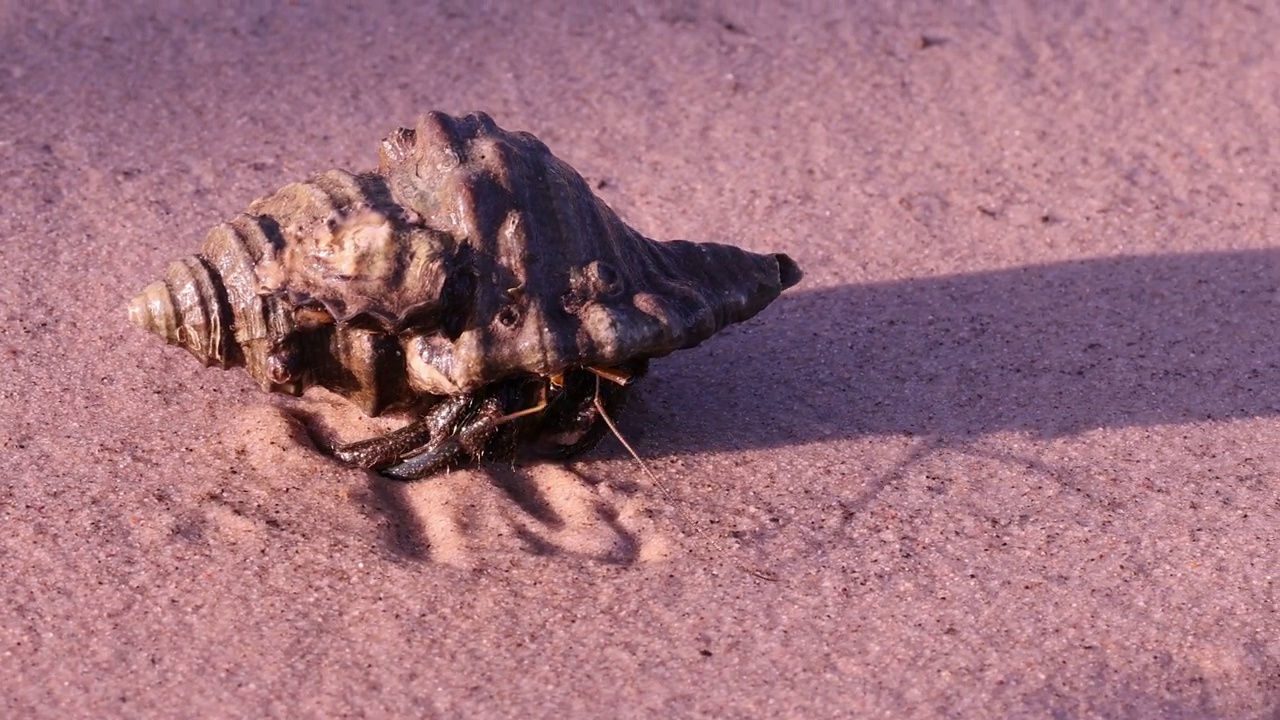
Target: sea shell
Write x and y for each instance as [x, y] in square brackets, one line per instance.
[471, 256]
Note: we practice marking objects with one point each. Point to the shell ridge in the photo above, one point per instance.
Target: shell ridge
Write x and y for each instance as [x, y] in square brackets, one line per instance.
[230, 249]
[191, 316]
[223, 344]
[551, 335]
[352, 250]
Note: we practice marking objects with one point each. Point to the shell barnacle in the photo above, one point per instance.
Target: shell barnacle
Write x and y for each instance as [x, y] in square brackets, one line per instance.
[473, 277]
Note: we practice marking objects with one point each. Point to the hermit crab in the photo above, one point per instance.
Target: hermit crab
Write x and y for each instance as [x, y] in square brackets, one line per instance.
[473, 278]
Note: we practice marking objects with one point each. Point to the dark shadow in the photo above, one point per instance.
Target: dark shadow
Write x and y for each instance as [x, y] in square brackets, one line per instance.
[516, 485]
[1050, 350]
[386, 501]
[403, 533]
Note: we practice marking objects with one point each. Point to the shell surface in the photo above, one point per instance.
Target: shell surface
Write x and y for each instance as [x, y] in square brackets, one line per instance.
[471, 256]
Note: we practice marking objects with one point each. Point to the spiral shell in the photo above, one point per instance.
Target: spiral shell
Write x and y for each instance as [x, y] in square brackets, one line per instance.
[472, 255]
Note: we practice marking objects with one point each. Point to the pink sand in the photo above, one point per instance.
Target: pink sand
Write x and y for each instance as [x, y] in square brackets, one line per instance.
[1010, 450]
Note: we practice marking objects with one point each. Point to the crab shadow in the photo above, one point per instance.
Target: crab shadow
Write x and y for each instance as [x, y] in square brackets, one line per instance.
[1049, 350]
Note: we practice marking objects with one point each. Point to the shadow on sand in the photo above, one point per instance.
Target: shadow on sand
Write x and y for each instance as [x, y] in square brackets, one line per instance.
[1050, 350]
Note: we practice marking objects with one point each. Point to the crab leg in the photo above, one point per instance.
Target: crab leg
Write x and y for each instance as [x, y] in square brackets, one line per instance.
[617, 375]
[383, 450]
[470, 439]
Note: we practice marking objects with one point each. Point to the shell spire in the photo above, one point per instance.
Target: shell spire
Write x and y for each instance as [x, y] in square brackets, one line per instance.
[186, 309]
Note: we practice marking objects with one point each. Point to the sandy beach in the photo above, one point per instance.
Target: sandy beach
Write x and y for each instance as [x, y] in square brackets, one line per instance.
[1011, 449]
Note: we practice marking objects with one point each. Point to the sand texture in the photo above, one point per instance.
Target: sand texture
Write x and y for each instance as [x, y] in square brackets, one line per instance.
[1012, 448]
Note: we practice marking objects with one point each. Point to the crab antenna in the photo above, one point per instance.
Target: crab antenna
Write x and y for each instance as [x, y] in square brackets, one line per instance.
[618, 434]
